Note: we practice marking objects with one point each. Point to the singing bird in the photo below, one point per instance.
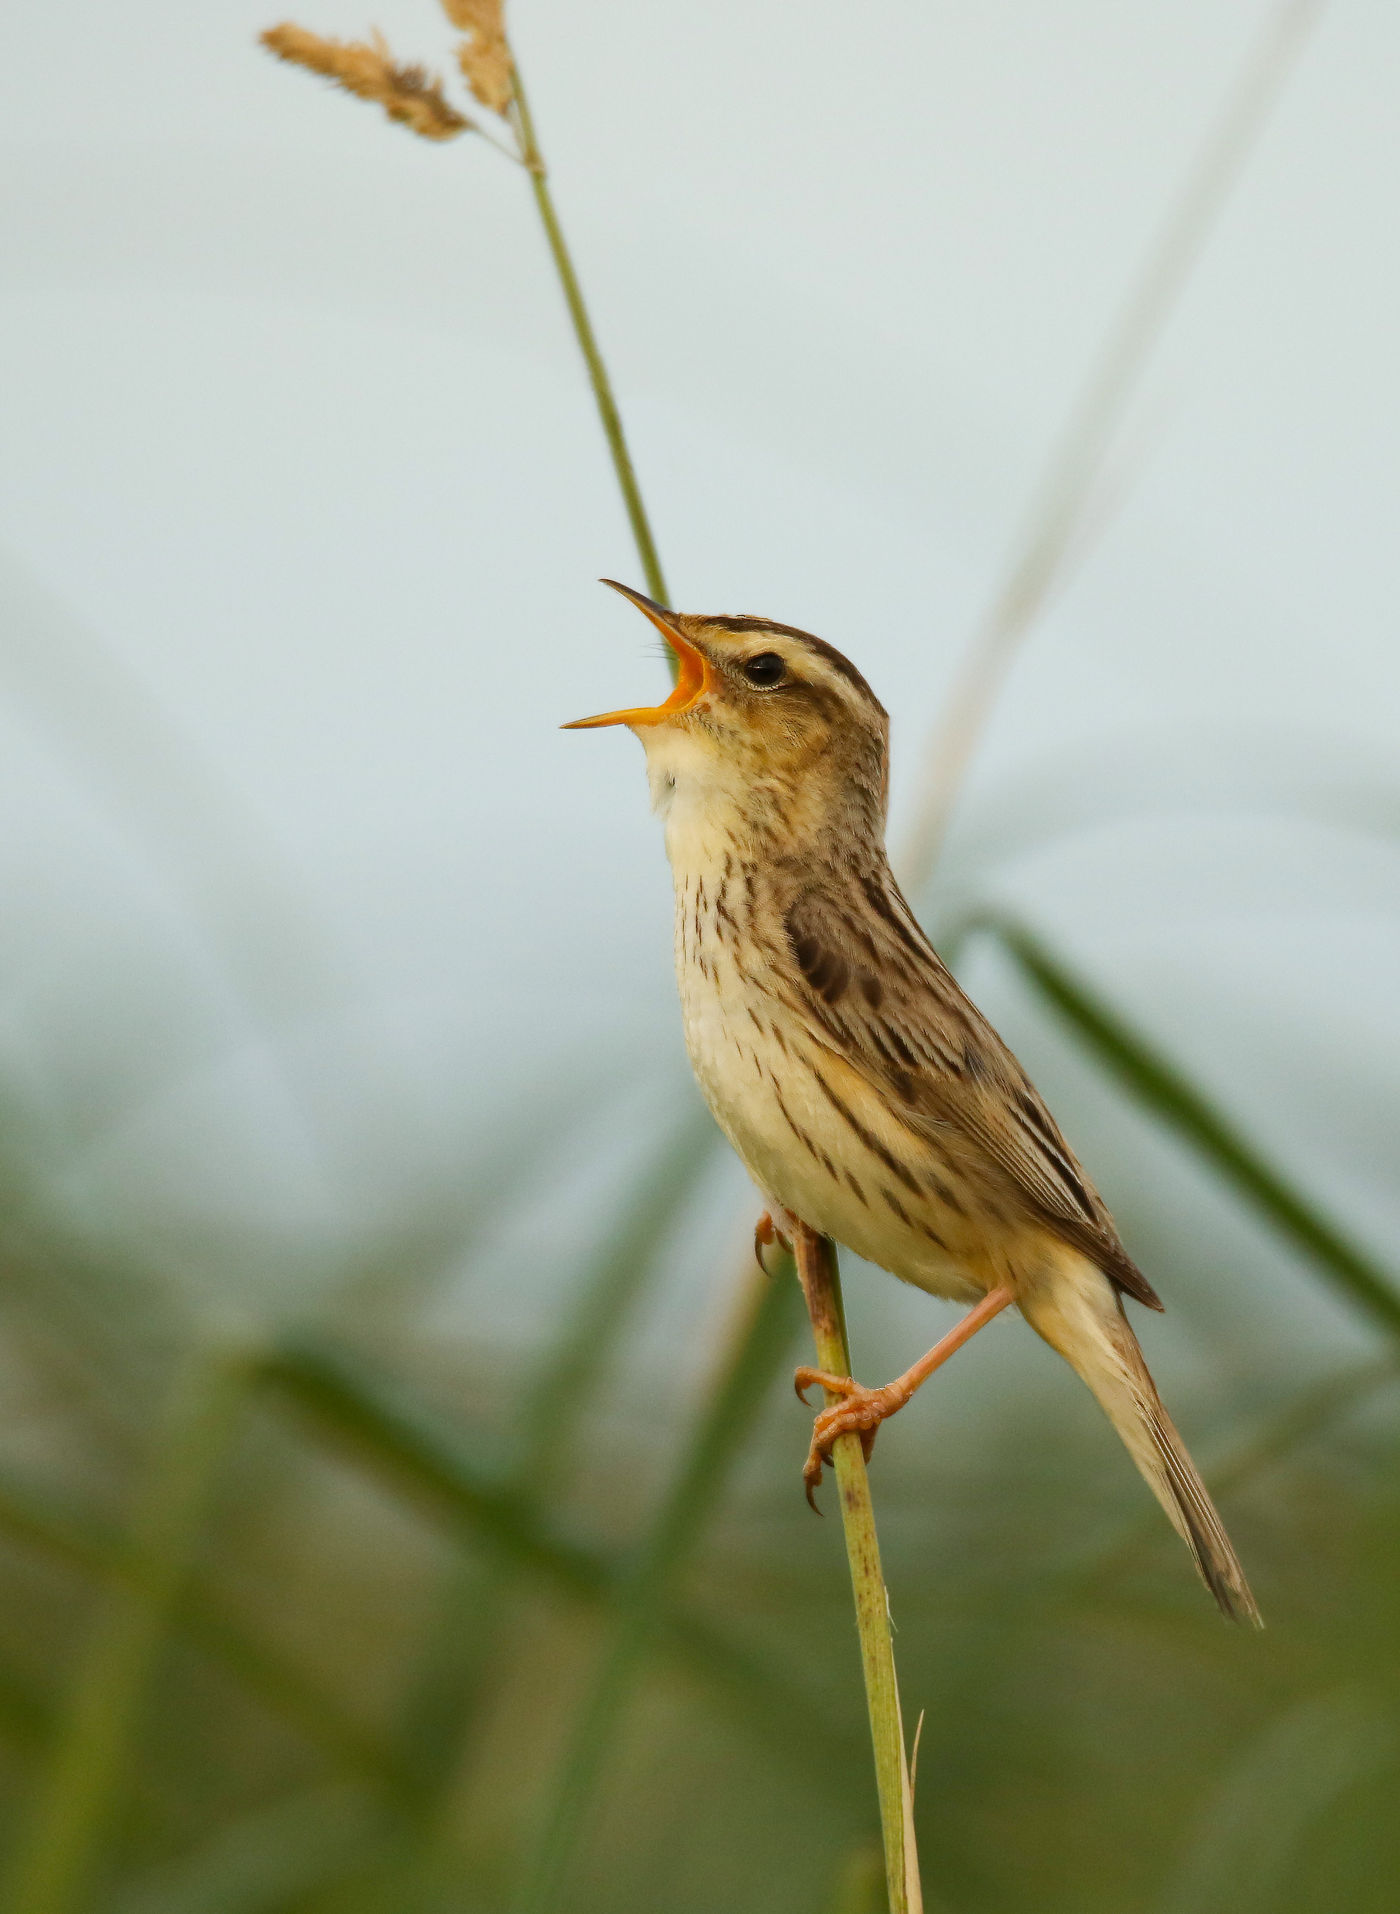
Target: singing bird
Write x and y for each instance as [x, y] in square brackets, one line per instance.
[864, 1092]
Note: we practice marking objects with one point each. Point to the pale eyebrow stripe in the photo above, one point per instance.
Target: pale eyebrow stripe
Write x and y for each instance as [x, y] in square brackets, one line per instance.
[833, 657]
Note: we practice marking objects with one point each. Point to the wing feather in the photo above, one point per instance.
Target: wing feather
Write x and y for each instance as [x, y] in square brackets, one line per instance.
[870, 984]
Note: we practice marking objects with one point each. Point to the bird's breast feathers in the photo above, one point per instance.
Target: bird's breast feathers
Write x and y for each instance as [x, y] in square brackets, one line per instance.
[814, 1136]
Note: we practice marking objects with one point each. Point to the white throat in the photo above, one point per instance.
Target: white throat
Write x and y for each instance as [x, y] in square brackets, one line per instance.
[700, 795]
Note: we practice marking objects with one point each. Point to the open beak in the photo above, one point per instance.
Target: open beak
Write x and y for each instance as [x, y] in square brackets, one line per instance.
[693, 677]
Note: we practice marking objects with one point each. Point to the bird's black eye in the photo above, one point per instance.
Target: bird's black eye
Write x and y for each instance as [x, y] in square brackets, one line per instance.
[764, 670]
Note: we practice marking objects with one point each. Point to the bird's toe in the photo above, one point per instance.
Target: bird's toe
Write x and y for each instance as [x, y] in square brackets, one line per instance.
[804, 1378]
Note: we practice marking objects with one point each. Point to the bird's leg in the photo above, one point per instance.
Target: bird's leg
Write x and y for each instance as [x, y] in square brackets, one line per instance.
[860, 1411]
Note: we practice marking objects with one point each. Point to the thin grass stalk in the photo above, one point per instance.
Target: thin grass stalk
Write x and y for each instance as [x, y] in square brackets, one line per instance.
[748, 1364]
[58, 1856]
[1076, 467]
[1157, 1083]
[406, 98]
[821, 1285]
[608, 413]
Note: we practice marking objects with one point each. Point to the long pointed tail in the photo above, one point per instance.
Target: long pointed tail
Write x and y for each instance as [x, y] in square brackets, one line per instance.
[1079, 1313]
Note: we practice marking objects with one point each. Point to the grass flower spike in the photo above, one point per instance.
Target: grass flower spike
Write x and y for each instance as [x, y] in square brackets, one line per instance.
[370, 72]
[484, 56]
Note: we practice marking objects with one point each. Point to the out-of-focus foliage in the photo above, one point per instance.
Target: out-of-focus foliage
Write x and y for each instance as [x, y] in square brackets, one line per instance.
[338, 1606]
[425, 1535]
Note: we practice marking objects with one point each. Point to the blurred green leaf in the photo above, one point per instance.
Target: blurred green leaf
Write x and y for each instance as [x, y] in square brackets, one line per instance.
[1315, 779]
[265, 1861]
[25, 1719]
[380, 1423]
[861, 1886]
[1287, 1781]
[758, 1342]
[1299, 1421]
[606, 1293]
[99, 1724]
[401, 1440]
[444, 1693]
[1161, 1087]
[1060, 521]
[62, 1533]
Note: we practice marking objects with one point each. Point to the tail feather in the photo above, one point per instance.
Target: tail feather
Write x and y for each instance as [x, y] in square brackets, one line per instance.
[1075, 1309]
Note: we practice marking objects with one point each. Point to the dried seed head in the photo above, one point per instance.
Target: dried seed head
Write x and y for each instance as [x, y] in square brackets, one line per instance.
[484, 56]
[406, 93]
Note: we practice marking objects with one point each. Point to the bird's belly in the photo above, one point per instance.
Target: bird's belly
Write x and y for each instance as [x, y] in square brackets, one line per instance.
[852, 1181]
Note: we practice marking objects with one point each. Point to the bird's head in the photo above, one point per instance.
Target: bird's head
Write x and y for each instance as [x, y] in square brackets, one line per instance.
[765, 721]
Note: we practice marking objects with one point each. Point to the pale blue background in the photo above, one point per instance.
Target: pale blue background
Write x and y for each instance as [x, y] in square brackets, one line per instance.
[303, 501]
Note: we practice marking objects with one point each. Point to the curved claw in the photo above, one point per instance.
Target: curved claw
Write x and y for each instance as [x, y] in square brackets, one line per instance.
[805, 1378]
[766, 1231]
[763, 1234]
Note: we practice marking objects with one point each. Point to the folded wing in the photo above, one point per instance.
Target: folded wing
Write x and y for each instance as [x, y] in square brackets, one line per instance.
[870, 985]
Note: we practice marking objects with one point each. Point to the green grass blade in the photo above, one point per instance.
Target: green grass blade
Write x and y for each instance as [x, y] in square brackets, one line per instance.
[465, 1645]
[383, 1427]
[1161, 1087]
[266, 1861]
[749, 1364]
[381, 1424]
[36, 1521]
[1246, 1851]
[98, 1728]
[609, 1289]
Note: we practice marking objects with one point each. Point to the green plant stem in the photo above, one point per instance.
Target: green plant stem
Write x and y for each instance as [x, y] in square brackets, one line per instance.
[603, 397]
[821, 1285]
[54, 1864]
